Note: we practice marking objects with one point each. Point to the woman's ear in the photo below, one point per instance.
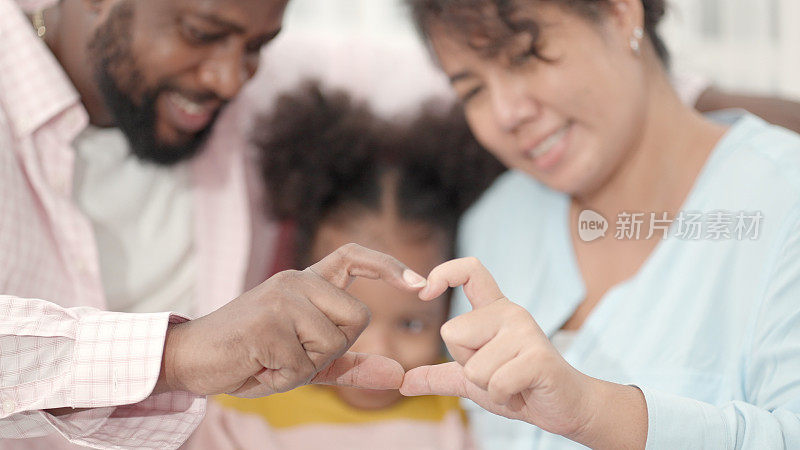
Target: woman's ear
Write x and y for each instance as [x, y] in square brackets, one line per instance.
[625, 17]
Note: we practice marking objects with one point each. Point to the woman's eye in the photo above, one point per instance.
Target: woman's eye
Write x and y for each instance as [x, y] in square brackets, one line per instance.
[412, 325]
[521, 58]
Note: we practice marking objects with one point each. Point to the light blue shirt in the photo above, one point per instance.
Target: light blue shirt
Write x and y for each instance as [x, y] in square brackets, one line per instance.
[709, 329]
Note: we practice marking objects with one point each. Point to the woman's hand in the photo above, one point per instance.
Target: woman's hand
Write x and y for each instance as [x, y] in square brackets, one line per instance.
[506, 364]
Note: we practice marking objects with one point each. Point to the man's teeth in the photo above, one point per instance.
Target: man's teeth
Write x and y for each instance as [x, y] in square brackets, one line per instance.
[549, 143]
[187, 105]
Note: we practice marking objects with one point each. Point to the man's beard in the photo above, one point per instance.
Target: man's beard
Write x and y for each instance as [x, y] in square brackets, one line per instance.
[111, 48]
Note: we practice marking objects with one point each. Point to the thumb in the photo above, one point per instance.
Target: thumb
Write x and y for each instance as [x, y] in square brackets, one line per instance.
[362, 370]
[442, 379]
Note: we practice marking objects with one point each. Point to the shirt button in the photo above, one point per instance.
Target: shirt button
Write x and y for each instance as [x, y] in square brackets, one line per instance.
[8, 407]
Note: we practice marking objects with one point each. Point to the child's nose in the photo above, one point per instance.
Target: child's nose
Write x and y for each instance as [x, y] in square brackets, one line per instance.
[374, 340]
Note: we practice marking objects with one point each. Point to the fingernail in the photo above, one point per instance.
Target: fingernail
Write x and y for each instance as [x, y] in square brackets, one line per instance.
[414, 279]
[423, 293]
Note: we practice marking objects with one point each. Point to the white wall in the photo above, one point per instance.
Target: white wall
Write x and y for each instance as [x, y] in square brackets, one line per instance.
[372, 19]
[745, 44]
[750, 45]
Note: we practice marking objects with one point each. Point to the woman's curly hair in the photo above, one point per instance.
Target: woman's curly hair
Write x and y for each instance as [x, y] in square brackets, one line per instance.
[324, 155]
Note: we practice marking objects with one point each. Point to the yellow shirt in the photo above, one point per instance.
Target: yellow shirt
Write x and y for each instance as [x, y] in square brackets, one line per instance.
[314, 417]
[320, 404]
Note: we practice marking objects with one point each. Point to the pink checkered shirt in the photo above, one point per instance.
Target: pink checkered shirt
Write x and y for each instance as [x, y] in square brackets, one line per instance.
[58, 348]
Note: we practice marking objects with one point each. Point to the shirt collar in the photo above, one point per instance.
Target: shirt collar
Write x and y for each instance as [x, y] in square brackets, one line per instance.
[33, 87]
[31, 6]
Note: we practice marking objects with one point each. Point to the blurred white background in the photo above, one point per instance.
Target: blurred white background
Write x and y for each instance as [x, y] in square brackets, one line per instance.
[748, 45]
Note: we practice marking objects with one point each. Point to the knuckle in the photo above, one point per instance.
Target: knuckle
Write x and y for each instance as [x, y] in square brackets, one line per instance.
[334, 345]
[279, 315]
[520, 311]
[519, 338]
[475, 375]
[338, 343]
[275, 308]
[327, 346]
[500, 391]
[290, 274]
[436, 271]
[501, 387]
[473, 262]
[347, 250]
[282, 307]
[302, 368]
[504, 390]
[306, 371]
[388, 260]
[538, 356]
[286, 277]
[512, 312]
[361, 314]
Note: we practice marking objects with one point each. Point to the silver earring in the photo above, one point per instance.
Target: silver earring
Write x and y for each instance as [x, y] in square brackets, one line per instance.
[635, 45]
[638, 35]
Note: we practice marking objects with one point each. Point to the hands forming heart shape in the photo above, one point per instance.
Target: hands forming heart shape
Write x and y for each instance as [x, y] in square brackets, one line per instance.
[296, 328]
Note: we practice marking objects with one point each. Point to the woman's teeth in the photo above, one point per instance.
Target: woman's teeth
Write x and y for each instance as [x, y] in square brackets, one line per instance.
[549, 143]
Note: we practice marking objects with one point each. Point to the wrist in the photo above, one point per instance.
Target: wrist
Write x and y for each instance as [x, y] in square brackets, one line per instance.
[168, 379]
[615, 417]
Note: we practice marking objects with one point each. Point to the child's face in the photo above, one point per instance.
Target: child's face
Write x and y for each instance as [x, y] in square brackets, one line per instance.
[402, 327]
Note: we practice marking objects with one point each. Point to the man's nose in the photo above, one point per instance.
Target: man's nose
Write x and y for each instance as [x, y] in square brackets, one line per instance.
[225, 73]
[512, 103]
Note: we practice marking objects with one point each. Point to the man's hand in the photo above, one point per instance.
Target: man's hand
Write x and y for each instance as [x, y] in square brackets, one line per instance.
[506, 364]
[291, 330]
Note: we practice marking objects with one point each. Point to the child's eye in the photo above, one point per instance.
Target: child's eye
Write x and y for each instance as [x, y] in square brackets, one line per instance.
[414, 326]
[469, 95]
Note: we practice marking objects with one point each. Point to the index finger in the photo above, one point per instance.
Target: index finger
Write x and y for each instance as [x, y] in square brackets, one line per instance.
[479, 285]
[352, 260]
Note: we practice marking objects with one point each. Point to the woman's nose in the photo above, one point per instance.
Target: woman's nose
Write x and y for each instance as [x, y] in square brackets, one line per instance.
[512, 104]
